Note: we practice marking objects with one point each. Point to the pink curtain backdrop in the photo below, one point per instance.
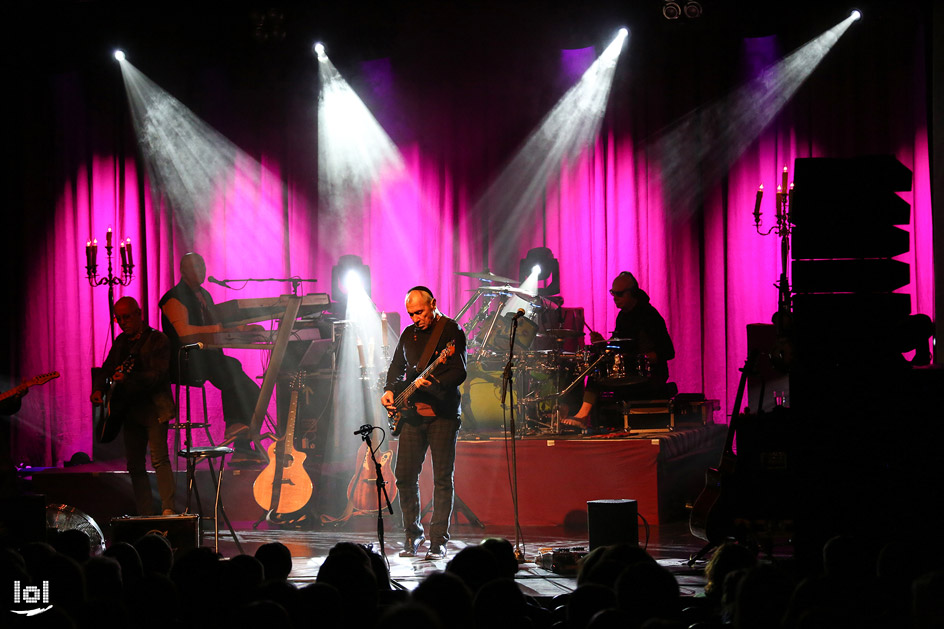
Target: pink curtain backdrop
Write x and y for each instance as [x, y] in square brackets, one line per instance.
[705, 269]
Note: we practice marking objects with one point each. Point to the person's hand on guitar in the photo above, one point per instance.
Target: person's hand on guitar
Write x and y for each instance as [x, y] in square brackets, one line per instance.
[387, 400]
[422, 383]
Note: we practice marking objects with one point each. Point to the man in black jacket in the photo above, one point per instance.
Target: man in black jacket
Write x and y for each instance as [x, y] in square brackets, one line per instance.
[138, 365]
[435, 422]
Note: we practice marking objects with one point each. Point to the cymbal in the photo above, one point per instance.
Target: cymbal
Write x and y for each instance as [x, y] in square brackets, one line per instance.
[560, 333]
[487, 276]
[613, 340]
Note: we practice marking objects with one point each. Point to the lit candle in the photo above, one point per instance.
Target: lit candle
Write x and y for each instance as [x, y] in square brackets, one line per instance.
[88, 253]
[760, 194]
[128, 249]
[108, 238]
[779, 201]
[784, 184]
[94, 252]
[124, 256]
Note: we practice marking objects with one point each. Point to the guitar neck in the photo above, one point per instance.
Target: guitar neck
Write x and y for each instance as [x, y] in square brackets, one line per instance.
[290, 422]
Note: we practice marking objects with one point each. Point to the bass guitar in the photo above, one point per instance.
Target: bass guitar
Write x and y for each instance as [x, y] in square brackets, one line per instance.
[284, 486]
[22, 387]
[711, 518]
[401, 402]
[111, 412]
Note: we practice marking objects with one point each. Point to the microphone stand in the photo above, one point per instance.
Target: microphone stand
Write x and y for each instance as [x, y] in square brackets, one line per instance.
[381, 492]
[508, 384]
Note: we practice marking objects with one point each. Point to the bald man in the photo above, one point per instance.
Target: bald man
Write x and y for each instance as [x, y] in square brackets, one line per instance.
[434, 425]
[187, 309]
[138, 364]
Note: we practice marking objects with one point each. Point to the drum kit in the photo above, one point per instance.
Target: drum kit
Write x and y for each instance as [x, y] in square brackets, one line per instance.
[548, 383]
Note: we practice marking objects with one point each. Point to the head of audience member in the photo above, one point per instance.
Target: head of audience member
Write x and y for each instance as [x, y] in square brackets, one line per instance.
[126, 555]
[157, 556]
[240, 576]
[728, 557]
[103, 579]
[604, 564]
[192, 270]
[409, 616]
[504, 552]
[647, 590]
[762, 598]
[74, 543]
[448, 597]
[585, 602]
[348, 568]
[276, 560]
[500, 604]
[476, 566]
[128, 316]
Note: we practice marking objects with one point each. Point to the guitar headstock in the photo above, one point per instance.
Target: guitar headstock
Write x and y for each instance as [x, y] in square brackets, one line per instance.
[298, 380]
[44, 378]
[448, 351]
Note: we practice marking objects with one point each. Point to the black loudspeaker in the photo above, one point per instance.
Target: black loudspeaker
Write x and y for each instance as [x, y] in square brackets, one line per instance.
[182, 531]
[612, 522]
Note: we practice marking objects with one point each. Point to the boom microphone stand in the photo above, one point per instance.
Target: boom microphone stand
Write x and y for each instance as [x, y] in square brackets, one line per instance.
[508, 383]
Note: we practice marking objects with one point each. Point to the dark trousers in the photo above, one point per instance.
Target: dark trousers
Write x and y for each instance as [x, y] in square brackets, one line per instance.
[238, 391]
[438, 435]
[138, 436]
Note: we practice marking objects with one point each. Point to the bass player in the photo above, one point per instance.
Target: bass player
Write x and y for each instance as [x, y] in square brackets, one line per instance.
[429, 420]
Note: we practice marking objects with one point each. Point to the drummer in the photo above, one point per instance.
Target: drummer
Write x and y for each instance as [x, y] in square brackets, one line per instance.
[640, 329]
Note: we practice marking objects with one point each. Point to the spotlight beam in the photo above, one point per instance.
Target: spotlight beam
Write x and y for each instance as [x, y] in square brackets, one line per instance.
[710, 139]
[560, 138]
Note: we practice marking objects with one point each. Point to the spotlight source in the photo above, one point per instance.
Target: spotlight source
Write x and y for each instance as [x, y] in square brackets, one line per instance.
[856, 14]
[671, 10]
[692, 10]
[120, 55]
[319, 50]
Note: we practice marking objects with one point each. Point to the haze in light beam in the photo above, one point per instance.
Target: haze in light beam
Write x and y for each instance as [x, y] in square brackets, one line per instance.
[562, 135]
[188, 160]
[699, 149]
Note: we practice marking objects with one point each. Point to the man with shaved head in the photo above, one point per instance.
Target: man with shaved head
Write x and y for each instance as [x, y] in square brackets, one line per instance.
[188, 308]
[138, 365]
[434, 423]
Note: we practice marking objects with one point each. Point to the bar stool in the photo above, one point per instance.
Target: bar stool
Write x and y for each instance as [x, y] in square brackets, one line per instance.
[195, 455]
[184, 378]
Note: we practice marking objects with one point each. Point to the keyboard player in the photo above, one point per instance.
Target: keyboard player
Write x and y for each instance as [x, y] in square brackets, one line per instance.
[187, 309]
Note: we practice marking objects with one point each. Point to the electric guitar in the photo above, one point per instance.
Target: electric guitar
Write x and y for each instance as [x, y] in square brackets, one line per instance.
[284, 486]
[40, 379]
[401, 402]
[111, 413]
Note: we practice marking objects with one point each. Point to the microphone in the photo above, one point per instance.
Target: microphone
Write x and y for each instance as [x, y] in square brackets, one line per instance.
[216, 281]
[363, 430]
[191, 346]
[518, 314]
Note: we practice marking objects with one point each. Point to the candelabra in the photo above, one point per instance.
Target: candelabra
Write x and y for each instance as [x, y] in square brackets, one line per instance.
[111, 280]
[782, 227]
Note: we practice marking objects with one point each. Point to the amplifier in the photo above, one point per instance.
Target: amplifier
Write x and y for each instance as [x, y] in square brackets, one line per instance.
[182, 531]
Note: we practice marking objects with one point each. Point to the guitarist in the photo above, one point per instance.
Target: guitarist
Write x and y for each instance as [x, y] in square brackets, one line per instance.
[432, 422]
[142, 384]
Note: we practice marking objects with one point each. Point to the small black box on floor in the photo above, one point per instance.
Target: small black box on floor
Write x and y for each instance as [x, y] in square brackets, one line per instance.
[561, 560]
[685, 410]
[182, 531]
[612, 522]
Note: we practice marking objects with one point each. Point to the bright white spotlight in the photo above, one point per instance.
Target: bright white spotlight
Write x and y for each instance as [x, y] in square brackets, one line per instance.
[120, 55]
[623, 32]
[536, 269]
[855, 15]
[319, 51]
[352, 282]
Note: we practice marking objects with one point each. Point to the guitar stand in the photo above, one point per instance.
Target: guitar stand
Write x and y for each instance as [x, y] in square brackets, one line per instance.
[458, 507]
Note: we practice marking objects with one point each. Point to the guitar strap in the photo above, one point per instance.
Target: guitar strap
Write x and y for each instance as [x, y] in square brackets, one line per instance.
[431, 343]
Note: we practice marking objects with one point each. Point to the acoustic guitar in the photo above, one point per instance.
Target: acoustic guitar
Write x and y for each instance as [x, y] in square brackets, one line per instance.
[712, 517]
[284, 486]
[40, 379]
[110, 414]
[402, 404]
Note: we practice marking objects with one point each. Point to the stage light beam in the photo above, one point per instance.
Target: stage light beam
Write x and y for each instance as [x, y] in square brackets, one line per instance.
[120, 55]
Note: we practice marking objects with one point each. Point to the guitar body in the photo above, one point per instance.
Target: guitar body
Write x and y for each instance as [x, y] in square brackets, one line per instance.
[111, 413]
[284, 486]
[404, 408]
[362, 490]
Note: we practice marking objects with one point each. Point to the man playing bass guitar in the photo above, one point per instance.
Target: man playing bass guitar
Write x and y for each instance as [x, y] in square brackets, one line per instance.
[429, 419]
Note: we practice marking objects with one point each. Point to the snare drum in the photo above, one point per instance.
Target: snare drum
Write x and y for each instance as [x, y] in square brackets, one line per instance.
[620, 368]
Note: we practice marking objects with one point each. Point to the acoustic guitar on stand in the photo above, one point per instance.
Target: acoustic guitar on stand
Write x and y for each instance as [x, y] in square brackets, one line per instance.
[401, 402]
[284, 486]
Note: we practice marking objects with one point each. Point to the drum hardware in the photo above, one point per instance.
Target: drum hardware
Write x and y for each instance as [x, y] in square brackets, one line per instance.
[561, 334]
[487, 276]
